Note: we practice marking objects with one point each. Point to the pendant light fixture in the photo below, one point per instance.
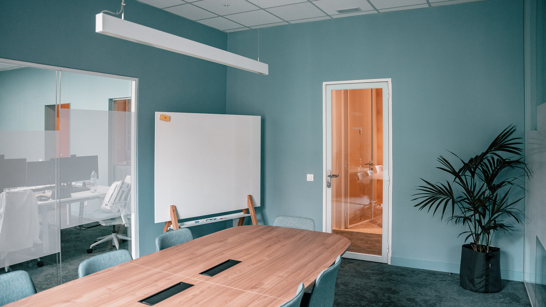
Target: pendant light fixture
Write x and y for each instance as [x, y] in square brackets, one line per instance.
[130, 31]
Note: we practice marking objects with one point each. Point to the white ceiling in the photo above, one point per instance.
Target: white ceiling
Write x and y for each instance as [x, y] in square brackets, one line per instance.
[240, 15]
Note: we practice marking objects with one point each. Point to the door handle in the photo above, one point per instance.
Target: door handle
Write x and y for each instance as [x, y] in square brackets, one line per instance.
[329, 178]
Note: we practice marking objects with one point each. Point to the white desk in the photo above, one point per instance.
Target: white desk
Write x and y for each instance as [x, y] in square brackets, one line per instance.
[81, 197]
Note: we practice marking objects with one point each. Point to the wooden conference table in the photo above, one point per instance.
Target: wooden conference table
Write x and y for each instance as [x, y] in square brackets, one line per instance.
[274, 261]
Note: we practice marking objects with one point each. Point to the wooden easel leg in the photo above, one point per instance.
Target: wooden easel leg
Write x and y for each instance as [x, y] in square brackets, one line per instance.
[242, 219]
[250, 205]
[174, 220]
[167, 225]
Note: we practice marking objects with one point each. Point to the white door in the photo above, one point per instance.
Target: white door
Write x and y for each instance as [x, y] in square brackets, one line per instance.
[357, 166]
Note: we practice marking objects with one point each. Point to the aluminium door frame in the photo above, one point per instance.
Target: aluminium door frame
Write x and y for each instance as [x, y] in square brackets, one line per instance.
[389, 180]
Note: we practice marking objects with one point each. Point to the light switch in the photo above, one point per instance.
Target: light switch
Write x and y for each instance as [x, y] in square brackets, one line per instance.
[310, 177]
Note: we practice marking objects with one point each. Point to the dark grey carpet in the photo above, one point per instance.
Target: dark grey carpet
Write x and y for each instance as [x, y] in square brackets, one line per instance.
[362, 283]
[74, 245]
[361, 242]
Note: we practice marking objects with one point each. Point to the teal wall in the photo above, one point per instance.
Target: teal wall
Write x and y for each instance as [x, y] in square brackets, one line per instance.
[62, 33]
[457, 79]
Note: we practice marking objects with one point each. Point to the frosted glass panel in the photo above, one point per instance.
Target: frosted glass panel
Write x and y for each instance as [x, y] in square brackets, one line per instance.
[535, 205]
[29, 219]
[540, 274]
[99, 144]
[65, 170]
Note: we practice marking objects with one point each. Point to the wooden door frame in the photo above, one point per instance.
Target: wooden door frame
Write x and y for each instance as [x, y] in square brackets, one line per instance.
[388, 180]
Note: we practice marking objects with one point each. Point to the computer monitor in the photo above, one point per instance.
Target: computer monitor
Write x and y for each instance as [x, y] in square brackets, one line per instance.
[78, 168]
[13, 173]
[40, 173]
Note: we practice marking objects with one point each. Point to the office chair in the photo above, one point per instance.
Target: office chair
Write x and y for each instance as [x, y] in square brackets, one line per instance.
[19, 226]
[103, 262]
[325, 286]
[296, 300]
[172, 238]
[116, 199]
[15, 286]
[294, 222]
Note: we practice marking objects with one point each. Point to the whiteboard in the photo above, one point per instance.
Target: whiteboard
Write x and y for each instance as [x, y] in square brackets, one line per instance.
[206, 163]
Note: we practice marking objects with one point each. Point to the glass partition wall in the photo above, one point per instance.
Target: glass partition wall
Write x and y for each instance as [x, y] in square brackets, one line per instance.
[66, 170]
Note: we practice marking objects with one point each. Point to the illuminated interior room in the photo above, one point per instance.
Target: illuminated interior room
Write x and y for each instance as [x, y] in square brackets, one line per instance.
[271, 152]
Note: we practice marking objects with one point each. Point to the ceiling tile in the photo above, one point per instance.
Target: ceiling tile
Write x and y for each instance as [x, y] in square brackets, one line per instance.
[296, 11]
[270, 25]
[226, 7]
[402, 8]
[273, 3]
[236, 30]
[310, 19]
[385, 4]
[190, 11]
[162, 3]
[220, 23]
[331, 6]
[254, 18]
[353, 14]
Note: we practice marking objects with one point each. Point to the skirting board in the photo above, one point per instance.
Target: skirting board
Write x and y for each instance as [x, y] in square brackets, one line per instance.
[447, 267]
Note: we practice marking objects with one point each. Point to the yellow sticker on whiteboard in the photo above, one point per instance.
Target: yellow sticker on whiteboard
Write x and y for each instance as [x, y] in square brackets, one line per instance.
[164, 117]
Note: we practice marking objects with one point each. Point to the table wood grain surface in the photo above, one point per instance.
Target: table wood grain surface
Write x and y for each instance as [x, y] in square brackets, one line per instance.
[274, 261]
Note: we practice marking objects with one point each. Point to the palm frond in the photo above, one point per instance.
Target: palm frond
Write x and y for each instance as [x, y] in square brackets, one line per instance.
[480, 189]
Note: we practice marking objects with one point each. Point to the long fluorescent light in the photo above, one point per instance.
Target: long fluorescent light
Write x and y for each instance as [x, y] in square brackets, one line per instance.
[112, 26]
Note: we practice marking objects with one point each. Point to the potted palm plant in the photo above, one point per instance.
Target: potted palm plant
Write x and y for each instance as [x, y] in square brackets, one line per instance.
[478, 195]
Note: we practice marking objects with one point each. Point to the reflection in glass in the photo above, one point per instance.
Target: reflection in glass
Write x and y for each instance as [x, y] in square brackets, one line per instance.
[357, 149]
[65, 170]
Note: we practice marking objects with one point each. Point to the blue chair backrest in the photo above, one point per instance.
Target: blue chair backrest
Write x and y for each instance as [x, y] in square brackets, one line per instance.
[294, 222]
[172, 238]
[325, 286]
[296, 300]
[102, 262]
[15, 286]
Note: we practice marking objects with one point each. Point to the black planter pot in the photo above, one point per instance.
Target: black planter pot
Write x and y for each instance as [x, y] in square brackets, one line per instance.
[480, 272]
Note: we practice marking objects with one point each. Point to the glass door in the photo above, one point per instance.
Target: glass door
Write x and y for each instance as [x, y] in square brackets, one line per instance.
[357, 159]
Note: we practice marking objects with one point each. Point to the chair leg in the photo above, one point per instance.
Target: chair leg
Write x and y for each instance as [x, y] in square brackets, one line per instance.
[108, 238]
[115, 239]
[123, 237]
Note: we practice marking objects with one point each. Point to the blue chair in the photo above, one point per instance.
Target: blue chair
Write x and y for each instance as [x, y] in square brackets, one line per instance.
[15, 286]
[294, 222]
[172, 238]
[102, 262]
[325, 286]
[296, 300]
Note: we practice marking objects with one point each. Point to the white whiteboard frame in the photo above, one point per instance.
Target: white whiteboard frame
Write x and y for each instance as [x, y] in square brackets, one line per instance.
[205, 164]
